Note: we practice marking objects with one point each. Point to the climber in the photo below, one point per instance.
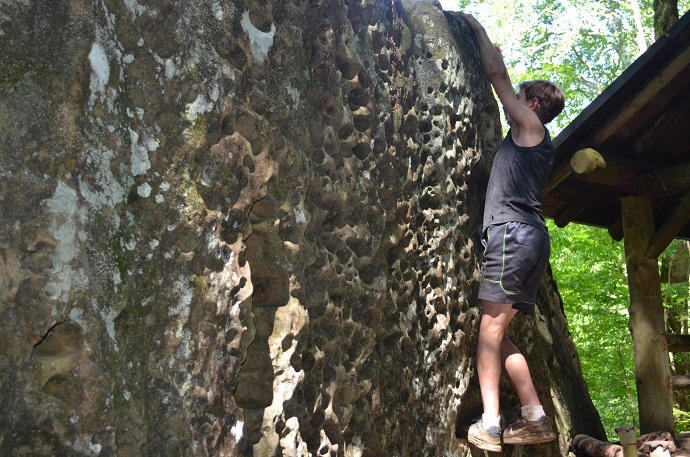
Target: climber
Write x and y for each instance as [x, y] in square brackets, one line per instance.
[516, 248]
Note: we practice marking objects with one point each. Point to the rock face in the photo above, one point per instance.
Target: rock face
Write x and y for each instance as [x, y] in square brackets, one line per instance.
[250, 228]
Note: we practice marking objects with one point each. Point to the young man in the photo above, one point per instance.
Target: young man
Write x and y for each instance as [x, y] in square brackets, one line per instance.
[517, 248]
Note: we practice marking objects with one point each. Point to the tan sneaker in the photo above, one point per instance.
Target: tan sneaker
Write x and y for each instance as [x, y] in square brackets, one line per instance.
[523, 432]
[489, 440]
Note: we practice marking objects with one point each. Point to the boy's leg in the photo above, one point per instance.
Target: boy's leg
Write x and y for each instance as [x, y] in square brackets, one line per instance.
[533, 427]
[517, 372]
[492, 329]
[486, 433]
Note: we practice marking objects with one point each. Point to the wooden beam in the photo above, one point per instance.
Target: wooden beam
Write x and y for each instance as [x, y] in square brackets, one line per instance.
[598, 167]
[573, 210]
[652, 369]
[680, 382]
[643, 96]
[616, 229]
[659, 183]
[671, 228]
[677, 343]
[560, 173]
[595, 448]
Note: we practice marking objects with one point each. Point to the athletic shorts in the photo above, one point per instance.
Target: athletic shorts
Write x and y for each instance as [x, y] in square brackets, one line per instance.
[515, 257]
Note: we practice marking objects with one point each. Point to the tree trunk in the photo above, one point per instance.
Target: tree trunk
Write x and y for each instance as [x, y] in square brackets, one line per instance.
[639, 29]
[665, 15]
[652, 372]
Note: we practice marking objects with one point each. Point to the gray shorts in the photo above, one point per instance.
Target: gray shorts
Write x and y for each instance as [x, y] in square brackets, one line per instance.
[515, 257]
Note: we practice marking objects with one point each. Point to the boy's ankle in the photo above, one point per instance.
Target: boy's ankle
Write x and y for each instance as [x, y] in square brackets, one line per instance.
[532, 413]
[488, 421]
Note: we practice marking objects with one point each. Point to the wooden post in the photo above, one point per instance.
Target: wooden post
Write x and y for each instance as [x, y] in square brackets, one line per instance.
[628, 439]
[652, 372]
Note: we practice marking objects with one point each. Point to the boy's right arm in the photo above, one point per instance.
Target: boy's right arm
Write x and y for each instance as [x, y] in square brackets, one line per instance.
[497, 73]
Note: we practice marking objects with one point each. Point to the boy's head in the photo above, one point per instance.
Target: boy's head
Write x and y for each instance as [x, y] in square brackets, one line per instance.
[551, 98]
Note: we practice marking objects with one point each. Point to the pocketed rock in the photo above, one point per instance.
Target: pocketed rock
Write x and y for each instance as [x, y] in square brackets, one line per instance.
[250, 228]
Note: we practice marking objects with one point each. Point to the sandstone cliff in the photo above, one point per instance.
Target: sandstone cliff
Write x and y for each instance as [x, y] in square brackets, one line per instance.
[249, 228]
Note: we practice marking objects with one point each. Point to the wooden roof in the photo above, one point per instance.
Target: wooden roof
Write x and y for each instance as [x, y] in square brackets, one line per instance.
[640, 124]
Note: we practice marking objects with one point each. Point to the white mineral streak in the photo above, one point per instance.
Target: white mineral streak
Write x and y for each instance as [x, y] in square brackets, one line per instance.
[101, 68]
[199, 106]
[236, 430]
[300, 216]
[134, 7]
[144, 190]
[140, 155]
[111, 192]
[218, 11]
[181, 309]
[109, 317]
[64, 228]
[260, 41]
[169, 68]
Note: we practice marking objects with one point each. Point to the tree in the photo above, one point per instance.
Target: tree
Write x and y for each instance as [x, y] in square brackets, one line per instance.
[581, 45]
[665, 15]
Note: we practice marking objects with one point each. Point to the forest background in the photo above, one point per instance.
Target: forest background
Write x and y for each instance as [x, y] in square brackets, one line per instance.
[583, 45]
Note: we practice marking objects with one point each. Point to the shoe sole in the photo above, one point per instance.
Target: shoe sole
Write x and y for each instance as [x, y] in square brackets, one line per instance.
[484, 445]
[534, 439]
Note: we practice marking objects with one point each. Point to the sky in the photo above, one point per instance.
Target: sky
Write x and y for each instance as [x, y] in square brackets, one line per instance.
[449, 5]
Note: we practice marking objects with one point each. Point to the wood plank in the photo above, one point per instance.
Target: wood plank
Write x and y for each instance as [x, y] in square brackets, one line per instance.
[677, 343]
[680, 382]
[651, 89]
[652, 369]
[659, 183]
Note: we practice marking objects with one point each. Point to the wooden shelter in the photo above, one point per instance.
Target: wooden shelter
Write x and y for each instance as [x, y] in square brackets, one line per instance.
[624, 164]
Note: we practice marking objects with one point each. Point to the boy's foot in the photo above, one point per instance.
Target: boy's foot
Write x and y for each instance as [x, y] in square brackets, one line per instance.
[523, 432]
[489, 440]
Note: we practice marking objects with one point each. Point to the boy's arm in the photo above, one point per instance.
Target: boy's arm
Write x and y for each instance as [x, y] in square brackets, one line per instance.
[526, 119]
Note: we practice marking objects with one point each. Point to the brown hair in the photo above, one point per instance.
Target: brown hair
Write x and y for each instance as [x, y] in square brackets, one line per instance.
[551, 98]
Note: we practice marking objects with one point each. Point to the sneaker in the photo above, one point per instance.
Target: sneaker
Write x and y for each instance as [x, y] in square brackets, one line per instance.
[523, 431]
[489, 440]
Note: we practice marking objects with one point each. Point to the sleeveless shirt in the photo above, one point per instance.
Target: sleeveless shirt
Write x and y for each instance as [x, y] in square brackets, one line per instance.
[517, 181]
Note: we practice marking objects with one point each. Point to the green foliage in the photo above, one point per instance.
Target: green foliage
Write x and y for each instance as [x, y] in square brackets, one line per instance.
[682, 420]
[581, 45]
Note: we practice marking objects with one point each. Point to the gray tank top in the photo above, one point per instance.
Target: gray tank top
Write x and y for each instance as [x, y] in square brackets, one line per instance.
[517, 182]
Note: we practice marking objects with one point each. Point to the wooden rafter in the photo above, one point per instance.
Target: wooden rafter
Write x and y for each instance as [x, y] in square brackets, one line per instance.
[660, 183]
[629, 109]
[677, 343]
[667, 232]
